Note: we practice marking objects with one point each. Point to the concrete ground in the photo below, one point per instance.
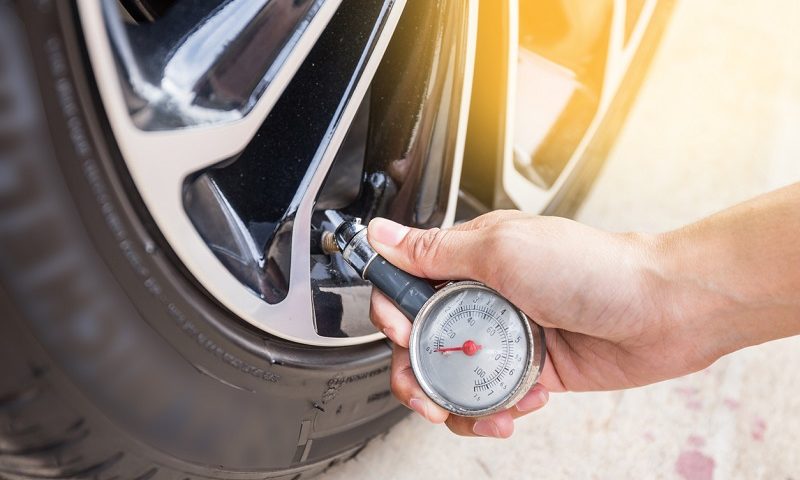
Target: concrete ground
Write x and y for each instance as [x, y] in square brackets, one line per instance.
[718, 121]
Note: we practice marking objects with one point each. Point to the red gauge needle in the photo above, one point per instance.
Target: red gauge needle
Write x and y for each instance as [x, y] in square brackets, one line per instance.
[469, 347]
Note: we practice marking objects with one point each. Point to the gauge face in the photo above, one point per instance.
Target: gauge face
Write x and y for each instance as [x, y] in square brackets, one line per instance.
[472, 350]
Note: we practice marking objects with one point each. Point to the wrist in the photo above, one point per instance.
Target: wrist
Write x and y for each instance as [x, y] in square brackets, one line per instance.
[692, 309]
[714, 313]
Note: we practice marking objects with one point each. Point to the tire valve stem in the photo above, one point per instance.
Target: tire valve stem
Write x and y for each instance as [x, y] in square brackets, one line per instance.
[329, 245]
[408, 292]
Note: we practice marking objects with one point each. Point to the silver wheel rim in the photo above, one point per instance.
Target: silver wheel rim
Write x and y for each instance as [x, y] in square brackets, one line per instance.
[159, 161]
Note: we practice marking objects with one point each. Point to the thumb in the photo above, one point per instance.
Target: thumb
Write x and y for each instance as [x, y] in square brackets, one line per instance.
[439, 254]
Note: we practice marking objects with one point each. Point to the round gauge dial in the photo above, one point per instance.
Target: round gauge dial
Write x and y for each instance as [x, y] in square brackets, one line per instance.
[473, 352]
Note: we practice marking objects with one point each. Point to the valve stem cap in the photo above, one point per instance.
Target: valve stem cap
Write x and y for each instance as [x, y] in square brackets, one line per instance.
[329, 245]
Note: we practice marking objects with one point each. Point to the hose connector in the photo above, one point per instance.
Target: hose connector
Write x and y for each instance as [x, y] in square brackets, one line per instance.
[351, 239]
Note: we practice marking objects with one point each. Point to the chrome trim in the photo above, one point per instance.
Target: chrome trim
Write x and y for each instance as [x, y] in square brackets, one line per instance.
[358, 253]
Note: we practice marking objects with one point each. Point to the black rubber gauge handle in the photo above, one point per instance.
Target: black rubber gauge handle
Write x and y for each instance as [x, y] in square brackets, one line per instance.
[408, 292]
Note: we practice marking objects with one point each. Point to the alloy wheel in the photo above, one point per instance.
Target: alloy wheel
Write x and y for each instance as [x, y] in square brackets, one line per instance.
[240, 121]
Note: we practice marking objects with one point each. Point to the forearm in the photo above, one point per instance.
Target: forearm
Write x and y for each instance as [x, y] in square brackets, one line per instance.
[733, 279]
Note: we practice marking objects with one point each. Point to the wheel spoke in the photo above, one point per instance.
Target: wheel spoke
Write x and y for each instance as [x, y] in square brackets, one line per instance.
[424, 86]
[413, 147]
[209, 61]
[565, 63]
[167, 157]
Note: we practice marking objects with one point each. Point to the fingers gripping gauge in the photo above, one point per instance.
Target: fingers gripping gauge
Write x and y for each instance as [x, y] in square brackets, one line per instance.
[472, 351]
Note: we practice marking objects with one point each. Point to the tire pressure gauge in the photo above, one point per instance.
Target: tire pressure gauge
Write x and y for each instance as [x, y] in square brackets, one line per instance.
[472, 351]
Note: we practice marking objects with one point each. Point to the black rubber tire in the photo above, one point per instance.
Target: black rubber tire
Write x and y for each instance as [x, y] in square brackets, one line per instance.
[113, 363]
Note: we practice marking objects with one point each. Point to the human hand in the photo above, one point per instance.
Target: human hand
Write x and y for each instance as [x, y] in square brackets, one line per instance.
[592, 291]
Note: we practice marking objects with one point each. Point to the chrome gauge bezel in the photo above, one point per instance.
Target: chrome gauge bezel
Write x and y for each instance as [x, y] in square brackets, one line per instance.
[534, 361]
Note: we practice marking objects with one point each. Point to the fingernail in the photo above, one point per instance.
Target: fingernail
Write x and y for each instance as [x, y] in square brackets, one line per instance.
[420, 406]
[486, 428]
[386, 231]
[534, 399]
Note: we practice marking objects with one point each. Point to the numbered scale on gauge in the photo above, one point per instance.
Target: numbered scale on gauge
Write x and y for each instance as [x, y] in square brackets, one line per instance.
[473, 352]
